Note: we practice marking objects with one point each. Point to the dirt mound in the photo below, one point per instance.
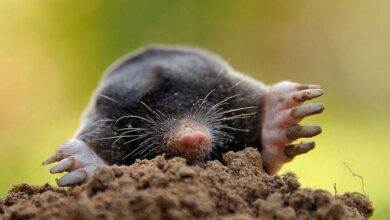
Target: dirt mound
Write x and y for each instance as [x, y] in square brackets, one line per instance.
[170, 189]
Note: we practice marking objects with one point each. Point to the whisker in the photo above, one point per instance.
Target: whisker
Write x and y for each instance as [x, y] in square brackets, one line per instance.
[145, 150]
[154, 112]
[128, 155]
[224, 134]
[236, 116]
[133, 129]
[147, 141]
[161, 113]
[152, 151]
[102, 120]
[195, 105]
[220, 134]
[135, 139]
[235, 110]
[233, 129]
[202, 101]
[132, 152]
[116, 141]
[238, 83]
[108, 98]
[120, 136]
[148, 117]
[219, 103]
[134, 116]
[205, 98]
[128, 132]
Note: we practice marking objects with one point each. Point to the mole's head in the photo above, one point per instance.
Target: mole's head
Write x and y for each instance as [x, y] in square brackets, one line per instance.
[179, 102]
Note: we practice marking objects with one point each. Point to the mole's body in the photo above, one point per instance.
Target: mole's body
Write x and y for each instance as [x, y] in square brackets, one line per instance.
[185, 102]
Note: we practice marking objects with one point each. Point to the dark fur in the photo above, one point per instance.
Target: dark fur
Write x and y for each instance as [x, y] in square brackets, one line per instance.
[170, 80]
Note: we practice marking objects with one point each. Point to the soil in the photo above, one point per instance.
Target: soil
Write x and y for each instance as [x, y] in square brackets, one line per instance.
[171, 189]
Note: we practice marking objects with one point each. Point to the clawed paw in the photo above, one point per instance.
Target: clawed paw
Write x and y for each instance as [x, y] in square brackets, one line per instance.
[76, 158]
[284, 109]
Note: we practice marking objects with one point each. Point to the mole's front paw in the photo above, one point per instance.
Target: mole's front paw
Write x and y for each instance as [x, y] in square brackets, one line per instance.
[284, 109]
[77, 158]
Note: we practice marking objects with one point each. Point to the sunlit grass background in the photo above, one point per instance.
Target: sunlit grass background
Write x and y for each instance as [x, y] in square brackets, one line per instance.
[52, 54]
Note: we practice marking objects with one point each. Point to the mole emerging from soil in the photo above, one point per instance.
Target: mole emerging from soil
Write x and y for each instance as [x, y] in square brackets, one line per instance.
[185, 102]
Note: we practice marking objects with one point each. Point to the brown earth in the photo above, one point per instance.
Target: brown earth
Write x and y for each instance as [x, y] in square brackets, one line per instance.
[170, 189]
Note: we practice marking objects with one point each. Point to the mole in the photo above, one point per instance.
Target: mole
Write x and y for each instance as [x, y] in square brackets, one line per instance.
[186, 102]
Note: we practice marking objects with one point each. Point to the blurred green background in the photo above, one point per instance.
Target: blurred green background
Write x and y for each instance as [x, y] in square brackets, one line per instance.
[52, 54]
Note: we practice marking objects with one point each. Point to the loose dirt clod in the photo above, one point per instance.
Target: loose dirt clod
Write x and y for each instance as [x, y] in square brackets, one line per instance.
[170, 189]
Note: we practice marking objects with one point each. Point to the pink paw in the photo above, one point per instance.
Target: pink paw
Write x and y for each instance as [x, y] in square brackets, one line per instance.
[76, 158]
[284, 109]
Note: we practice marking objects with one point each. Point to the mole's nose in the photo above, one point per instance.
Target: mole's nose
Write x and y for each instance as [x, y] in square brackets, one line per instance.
[192, 141]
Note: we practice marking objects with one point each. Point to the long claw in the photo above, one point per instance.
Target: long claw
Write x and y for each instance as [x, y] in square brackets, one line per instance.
[63, 165]
[293, 150]
[306, 110]
[307, 94]
[56, 157]
[298, 131]
[307, 86]
[72, 178]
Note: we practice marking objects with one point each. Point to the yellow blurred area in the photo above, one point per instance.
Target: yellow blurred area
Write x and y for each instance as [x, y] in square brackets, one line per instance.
[52, 54]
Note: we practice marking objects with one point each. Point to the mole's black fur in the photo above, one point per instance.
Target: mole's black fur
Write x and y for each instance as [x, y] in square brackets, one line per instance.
[142, 97]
